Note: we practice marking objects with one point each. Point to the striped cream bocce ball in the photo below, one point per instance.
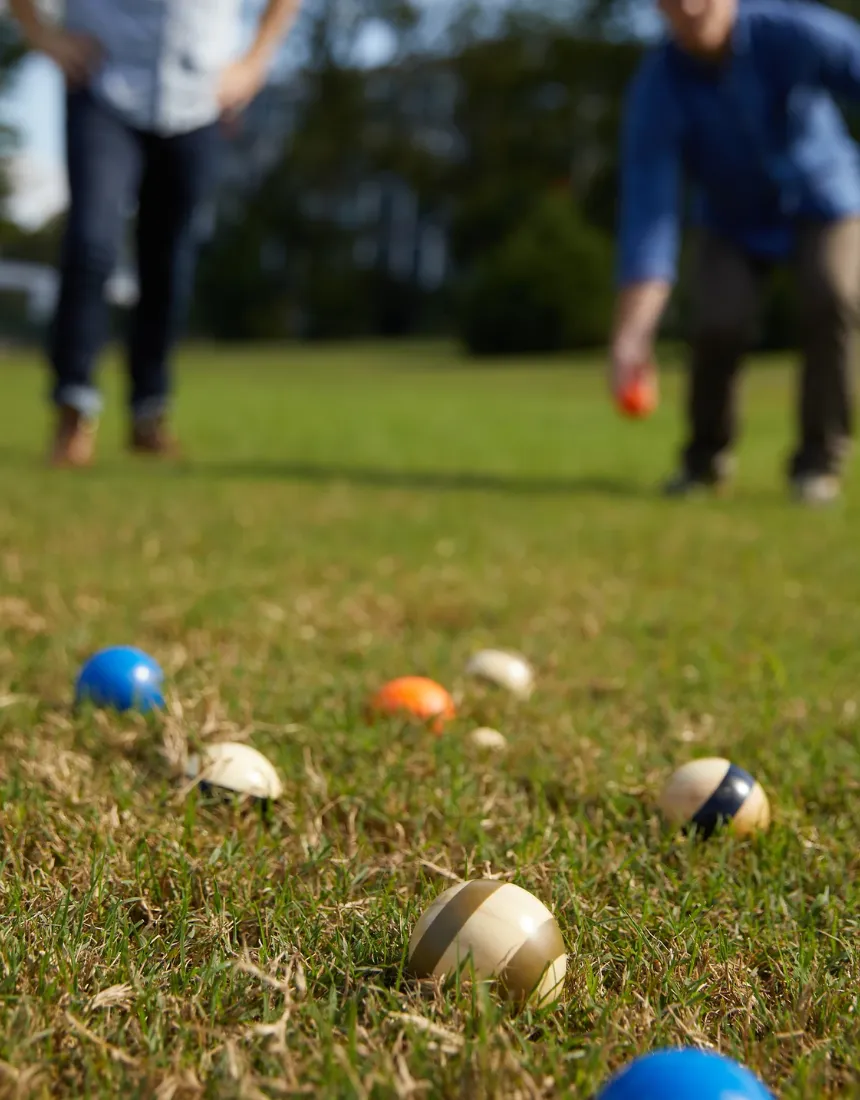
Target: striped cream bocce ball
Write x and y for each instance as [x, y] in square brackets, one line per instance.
[507, 933]
[712, 792]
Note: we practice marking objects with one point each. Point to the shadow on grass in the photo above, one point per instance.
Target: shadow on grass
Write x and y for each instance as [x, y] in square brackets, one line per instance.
[389, 478]
[321, 473]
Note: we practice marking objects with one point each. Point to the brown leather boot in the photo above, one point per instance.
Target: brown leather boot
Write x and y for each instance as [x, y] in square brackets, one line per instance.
[151, 436]
[74, 439]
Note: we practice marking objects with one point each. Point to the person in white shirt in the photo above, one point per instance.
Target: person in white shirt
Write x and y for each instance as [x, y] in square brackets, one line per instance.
[147, 87]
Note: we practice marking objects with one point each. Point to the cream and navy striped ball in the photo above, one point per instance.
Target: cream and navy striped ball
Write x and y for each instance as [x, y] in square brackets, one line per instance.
[711, 792]
[510, 935]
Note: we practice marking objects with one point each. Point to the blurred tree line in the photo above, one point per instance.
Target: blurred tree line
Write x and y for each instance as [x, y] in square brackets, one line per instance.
[10, 54]
[497, 142]
[467, 185]
[464, 184]
[12, 306]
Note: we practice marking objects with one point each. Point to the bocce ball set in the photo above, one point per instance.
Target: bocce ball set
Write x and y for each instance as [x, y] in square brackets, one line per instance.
[489, 930]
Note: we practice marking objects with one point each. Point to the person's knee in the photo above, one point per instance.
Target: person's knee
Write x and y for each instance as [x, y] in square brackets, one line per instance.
[91, 253]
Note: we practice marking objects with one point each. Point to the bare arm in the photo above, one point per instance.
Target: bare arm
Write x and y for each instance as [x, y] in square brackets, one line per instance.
[639, 310]
[76, 55]
[29, 19]
[275, 23]
[649, 224]
[242, 81]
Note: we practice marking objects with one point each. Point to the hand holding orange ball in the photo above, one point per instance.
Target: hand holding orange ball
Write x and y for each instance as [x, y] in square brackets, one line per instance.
[638, 397]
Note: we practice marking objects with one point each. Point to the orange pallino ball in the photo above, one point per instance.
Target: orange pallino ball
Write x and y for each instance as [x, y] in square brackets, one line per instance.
[417, 696]
[639, 399]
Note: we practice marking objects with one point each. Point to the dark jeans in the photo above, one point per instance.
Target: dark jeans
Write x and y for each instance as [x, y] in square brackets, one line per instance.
[112, 169]
[726, 291]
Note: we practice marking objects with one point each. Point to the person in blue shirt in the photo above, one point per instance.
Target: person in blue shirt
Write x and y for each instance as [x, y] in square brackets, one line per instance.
[148, 86]
[741, 103]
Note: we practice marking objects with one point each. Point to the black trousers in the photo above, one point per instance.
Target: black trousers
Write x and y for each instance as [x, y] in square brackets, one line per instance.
[112, 169]
[726, 293]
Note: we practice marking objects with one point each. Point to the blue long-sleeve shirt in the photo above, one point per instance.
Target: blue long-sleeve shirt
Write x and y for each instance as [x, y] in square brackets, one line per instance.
[761, 139]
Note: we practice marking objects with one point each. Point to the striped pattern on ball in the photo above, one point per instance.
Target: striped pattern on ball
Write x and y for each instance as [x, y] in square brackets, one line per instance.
[509, 935]
[710, 792]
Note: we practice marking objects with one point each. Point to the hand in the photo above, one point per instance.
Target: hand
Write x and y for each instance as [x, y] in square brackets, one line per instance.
[76, 55]
[240, 83]
[632, 357]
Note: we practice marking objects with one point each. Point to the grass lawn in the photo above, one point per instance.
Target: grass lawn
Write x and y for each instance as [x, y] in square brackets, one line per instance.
[350, 515]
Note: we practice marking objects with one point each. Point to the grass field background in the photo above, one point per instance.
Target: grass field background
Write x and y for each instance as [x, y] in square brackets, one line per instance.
[346, 516]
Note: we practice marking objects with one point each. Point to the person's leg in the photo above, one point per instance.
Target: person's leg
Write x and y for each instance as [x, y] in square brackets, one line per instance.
[829, 294]
[725, 293]
[178, 178]
[103, 165]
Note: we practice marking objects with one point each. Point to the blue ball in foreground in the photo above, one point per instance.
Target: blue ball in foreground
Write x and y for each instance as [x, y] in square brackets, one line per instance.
[684, 1075]
[121, 677]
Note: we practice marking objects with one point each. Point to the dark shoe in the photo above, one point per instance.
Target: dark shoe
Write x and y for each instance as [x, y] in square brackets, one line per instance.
[816, 490]
[686, 484]
[74, 439]
[151, 436]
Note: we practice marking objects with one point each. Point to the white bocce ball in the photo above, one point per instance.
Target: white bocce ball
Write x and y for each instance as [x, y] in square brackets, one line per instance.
[508, 670]
[712, 792]
[235, 767]
[510, 936]
[490, 739]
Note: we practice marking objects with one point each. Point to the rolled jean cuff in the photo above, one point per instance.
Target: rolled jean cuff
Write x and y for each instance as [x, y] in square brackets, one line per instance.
[84, 399]
[148, 408]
